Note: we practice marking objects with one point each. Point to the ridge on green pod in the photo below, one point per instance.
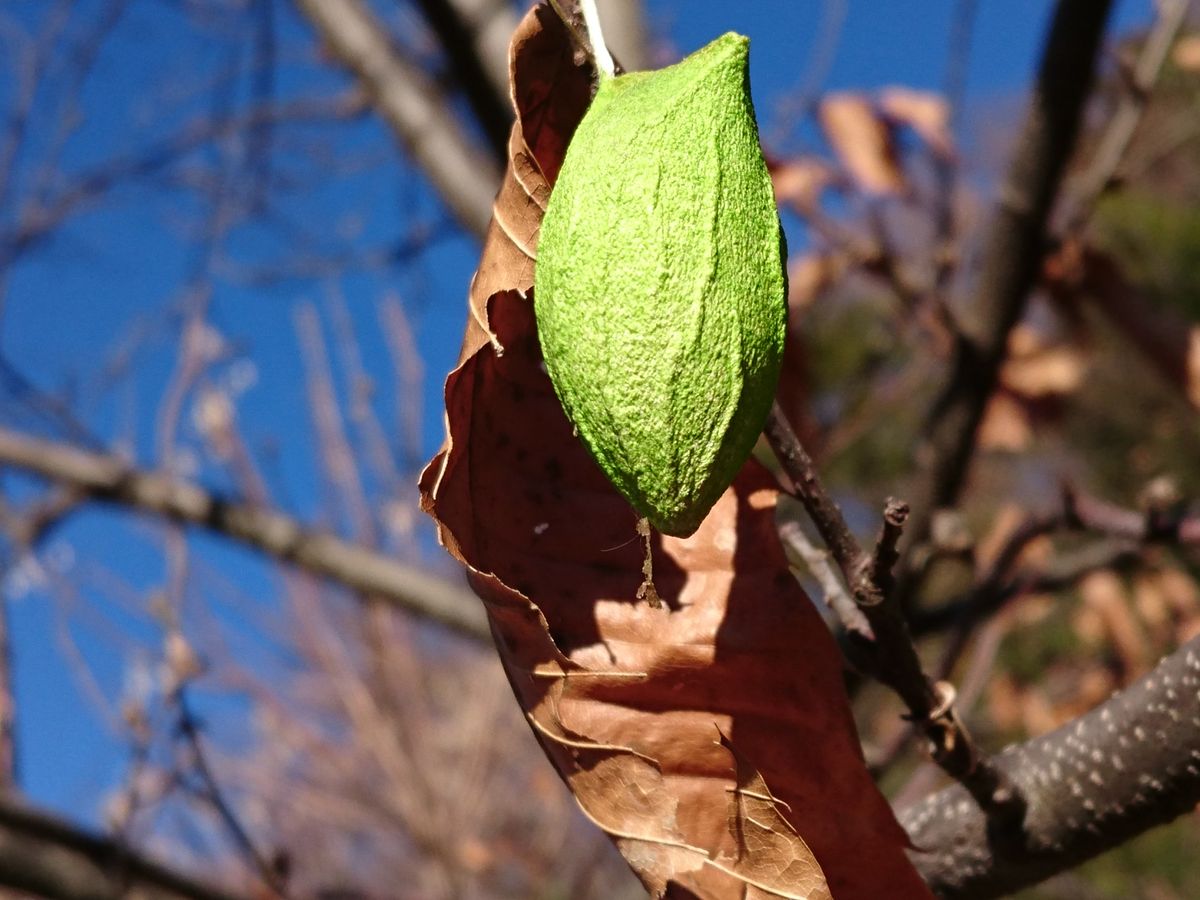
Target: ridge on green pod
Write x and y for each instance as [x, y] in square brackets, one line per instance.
[659, 289]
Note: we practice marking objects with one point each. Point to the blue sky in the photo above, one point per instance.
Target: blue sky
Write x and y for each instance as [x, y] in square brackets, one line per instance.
[72, 303]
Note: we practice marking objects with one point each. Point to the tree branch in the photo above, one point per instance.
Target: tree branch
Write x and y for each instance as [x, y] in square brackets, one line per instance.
[46, 857]
[1013, 257]
[412, 106]
[467, 30]
[890, 654]
[1125, 532]
[625, 32]
[1130, 764]
[108, 479]
[1119, 132]
[1168, 341]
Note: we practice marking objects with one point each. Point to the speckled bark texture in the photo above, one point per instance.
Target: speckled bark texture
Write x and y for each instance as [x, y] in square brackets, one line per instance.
[660, 288]
[1128, 765]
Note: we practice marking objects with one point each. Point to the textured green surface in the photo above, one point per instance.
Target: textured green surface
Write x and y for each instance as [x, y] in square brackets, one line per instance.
[659, 289]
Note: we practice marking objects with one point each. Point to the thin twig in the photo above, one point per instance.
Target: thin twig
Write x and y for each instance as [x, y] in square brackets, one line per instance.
[1125, 532]
[1118, 134]
[835, 595]
[189, 730]
[893, 655]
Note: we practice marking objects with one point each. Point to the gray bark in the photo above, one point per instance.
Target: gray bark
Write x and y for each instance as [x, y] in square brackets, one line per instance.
[46, 857]
[419, 115]
[108, 479]
[1128, 765]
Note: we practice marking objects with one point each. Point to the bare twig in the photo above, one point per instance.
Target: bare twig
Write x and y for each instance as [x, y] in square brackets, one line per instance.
[28, 72]
[189, 731]
[893, 655]
[1125, 533]
[820, 506]
[817, 561]
[954, 86]
[109, 479]
[1121, 127]
[9, 773]
[40, 218]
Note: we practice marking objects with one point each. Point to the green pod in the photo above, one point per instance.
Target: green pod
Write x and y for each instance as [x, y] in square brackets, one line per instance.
[659, 289]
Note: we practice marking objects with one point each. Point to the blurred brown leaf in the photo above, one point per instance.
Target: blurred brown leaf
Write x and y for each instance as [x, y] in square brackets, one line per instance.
[1104, 593]
[1006, 424]
[799, 182]
[1186, 54]
[925, 112]
[1035, 371]
[1192, 384]
[1035, 368]
[863, 142]
[641, 709]
[1165, 338]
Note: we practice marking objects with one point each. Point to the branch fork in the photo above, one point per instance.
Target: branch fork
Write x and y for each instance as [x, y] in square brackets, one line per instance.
[891, 656]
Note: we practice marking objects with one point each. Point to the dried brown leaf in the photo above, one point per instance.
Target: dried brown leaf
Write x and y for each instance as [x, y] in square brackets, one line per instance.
[1035, 368]
[809, 276]
[800, 182]
[1192, 377]
[863, 142]
[1165, 338]
[627, 700]
[1186, 54]
[927, 113]
[1006, 424]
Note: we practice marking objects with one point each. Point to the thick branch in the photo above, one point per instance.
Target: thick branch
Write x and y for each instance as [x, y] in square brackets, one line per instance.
[467, 31]
[44, 856]
[1128, 765]
[1014, 252]
[109, 479]
[412, 106]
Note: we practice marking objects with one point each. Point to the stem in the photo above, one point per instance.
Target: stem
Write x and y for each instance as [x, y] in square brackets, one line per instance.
[591, 19]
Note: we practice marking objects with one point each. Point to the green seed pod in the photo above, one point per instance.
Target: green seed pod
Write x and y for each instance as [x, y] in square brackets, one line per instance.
[659, 289]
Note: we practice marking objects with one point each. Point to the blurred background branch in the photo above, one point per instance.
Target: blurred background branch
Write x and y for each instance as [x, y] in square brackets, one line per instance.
[107, 479]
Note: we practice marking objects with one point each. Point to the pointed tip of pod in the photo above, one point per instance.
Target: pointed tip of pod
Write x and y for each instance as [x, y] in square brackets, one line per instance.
[734, 41]
[729, 48]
